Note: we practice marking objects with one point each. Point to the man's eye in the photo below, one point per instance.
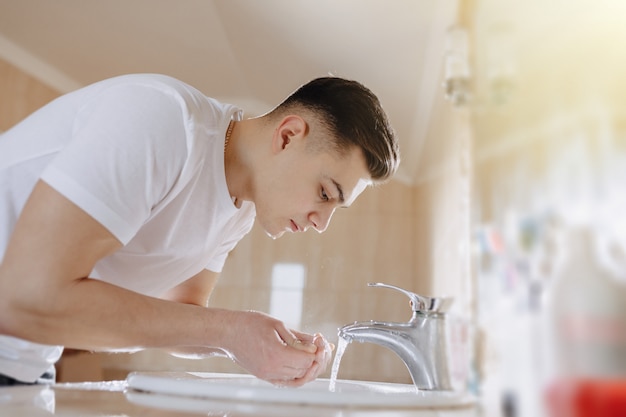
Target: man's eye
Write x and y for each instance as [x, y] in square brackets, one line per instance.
[324, 195]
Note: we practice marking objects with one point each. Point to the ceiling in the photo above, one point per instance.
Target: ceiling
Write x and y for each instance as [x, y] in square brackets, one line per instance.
[251, 53]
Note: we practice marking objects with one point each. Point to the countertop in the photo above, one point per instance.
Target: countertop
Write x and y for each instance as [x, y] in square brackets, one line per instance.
[111, 399]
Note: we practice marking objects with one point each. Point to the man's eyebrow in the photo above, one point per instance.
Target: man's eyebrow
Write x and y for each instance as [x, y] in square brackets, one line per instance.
[340, 190]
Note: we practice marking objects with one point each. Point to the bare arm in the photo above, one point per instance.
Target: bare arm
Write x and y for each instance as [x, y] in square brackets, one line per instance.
[196, 290]
[47, 297]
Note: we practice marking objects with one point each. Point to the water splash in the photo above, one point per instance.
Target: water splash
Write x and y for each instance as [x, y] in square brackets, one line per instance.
[342, 344]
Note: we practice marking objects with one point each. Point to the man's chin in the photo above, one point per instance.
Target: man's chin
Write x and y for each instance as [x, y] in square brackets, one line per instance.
[275, 236]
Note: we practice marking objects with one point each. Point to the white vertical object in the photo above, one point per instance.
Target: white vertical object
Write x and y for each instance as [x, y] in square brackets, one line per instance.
[287, 286]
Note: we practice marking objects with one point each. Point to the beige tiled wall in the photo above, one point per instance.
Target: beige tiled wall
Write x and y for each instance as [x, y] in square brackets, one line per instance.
[20, 95]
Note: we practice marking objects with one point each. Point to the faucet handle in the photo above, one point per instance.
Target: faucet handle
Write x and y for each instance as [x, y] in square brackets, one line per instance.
[420, 303]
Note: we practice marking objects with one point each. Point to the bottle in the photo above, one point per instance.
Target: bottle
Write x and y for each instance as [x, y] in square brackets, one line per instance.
[586, 332]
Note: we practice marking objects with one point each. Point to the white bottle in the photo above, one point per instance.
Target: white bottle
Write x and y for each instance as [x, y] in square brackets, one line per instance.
[586, 313]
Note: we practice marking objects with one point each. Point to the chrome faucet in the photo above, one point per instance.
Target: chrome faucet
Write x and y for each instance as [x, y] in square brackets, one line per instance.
[420, 343]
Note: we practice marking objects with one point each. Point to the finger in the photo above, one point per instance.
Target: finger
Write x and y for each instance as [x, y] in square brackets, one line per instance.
[297, 355]
[286, 378]
[284, 373]
[322, 358]
[324, 350]
[299, 373]
[304, 346]
[310, 375]
[291, 340]
[305, 337]
[307, 341]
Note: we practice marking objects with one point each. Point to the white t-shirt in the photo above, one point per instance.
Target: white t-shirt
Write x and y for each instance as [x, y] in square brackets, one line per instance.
[144, 156]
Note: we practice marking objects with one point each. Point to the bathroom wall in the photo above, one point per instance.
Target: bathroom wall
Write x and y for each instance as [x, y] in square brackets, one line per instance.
[20, 95]
[406, 235]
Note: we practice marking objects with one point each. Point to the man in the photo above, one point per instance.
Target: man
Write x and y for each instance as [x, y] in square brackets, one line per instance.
[121, 201]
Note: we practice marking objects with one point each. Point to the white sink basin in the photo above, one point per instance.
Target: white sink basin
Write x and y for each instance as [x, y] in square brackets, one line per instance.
[246, 388]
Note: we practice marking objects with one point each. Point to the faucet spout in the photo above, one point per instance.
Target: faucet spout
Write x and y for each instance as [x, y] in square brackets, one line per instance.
[420, 346]
[420, 342]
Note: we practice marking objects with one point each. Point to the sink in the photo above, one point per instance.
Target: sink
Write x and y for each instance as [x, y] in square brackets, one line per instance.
[150, 386]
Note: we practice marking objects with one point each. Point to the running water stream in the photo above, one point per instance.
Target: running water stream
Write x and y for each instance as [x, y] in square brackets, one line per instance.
[342, 344]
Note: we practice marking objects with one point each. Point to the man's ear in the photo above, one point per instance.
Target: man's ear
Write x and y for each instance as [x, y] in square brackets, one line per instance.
[289, 129]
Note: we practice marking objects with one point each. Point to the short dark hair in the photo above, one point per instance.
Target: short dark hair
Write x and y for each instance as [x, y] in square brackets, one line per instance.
[354, 117]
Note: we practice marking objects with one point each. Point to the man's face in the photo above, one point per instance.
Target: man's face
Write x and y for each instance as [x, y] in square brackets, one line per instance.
[304, 188]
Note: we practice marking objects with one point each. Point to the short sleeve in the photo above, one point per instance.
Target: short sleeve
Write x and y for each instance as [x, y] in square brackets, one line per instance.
[127, 150]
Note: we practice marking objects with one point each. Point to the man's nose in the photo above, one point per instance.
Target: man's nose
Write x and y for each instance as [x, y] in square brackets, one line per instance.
[321, 218]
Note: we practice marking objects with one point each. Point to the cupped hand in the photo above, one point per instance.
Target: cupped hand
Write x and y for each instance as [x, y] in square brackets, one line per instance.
[323, 355]
[267, 349]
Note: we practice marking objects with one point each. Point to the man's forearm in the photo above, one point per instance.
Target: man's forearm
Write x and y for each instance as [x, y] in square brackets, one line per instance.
[93, 315]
